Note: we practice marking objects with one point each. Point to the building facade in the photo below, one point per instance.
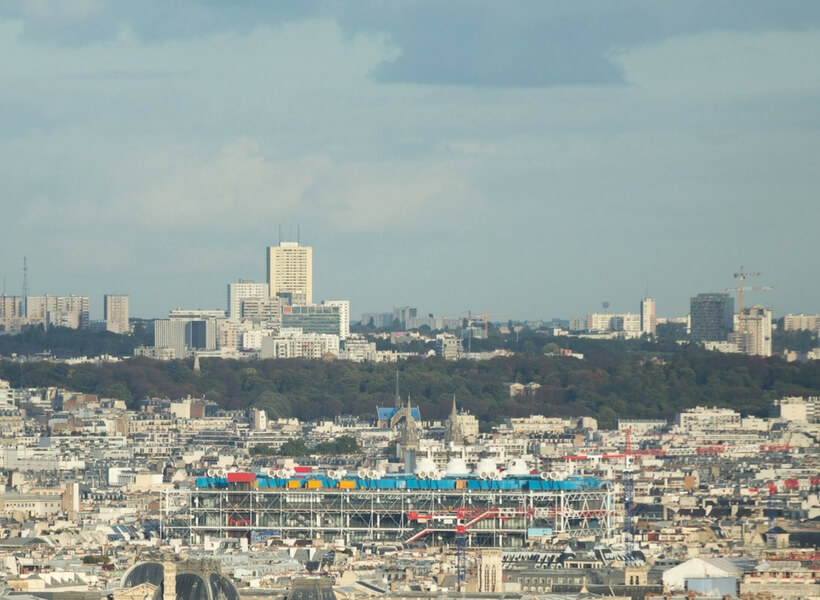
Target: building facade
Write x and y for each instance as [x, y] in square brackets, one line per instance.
[405, 509]
[58, 311]
[344, 316]
[753, 334]
[244, 290]
[712, 317]
[116, 313]
[649, 320]
[290, 271]
[313, 318]
[801, 323]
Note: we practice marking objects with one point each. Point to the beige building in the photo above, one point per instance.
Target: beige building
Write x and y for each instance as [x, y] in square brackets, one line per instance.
[290, 271]
[59, 311]
[753, 331]
[782, 579]
[115, 313]
[801, 322]
[34, 505]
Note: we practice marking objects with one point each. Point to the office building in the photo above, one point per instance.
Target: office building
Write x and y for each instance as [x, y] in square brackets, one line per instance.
[290, 271]
[186, 331]
[244, 290]
[313, 318]
[712, 317]
[649, 320]
[170, 334]
[344, 316]
[263, 311]
[115, 313]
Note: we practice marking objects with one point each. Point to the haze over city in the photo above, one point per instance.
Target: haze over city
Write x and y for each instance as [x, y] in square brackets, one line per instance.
[534, 159]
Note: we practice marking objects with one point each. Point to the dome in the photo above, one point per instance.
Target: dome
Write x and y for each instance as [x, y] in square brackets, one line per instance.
[486, 467]
[425, 466]
[194, 580]
[518, 467]
[457, 466]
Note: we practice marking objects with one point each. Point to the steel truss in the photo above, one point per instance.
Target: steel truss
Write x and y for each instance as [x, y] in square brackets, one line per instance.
[499, 518]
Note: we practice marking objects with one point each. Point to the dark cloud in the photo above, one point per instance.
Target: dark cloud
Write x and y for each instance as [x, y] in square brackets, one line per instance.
[459, 42]
[550, 43]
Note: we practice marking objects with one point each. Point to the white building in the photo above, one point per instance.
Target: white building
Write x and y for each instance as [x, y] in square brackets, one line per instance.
[244, 290]
[708, 419]
[293, 343]
[649, 320]
[628, 323]
[448, 346]
[675, 578]
[290, 271]
[344, 316]
[358, 349]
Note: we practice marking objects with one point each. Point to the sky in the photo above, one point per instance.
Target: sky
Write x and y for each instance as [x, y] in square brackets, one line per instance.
[532, 159]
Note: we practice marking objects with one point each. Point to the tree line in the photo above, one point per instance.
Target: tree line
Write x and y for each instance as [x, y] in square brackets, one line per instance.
[613, 381]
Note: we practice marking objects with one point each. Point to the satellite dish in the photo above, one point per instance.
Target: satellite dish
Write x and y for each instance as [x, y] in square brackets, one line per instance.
[605, 304]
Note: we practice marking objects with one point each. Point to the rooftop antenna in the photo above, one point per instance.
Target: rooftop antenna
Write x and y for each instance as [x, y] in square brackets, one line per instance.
[280, 234]
[299, 235]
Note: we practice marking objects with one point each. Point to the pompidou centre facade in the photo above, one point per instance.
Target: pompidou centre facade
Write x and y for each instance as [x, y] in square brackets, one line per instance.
[485, 507]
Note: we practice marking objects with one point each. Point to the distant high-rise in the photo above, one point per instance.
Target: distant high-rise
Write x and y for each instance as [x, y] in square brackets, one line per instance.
[244, 290]
[58, 311]
[344, 316]
[115, 313]
[649, 320]
[754, 331]
[290, 271]
[712, 317]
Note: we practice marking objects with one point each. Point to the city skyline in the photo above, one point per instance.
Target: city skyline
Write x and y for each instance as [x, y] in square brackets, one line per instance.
[536, 160]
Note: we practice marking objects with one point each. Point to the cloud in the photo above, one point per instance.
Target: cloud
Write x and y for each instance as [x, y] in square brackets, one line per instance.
[461, 42]
[242, 189]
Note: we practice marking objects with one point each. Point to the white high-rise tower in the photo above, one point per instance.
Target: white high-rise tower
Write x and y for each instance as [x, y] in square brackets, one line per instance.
[649, 320]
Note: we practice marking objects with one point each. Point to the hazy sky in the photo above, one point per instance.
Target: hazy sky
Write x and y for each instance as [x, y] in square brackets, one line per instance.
[532, 158]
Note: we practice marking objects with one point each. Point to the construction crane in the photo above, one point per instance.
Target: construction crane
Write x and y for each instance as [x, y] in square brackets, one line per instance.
[741, 278]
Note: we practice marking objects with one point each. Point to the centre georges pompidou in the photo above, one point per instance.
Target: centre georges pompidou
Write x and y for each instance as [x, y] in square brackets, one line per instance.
[489, 508]
[483, 506]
